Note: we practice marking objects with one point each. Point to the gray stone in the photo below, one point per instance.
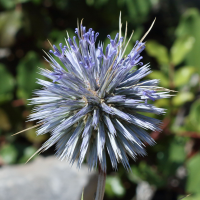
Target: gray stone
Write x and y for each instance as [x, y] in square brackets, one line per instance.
[46, 179]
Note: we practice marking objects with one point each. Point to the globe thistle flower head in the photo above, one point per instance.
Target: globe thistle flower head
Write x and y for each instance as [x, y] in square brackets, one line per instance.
[92, 101]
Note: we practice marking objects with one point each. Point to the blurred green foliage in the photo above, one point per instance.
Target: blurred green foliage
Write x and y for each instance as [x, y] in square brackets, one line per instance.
[6, 92]
[114, 187]
[172, 48]
[27, 74]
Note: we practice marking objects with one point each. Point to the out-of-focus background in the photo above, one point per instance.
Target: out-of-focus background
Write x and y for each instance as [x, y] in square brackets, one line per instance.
[171, 169]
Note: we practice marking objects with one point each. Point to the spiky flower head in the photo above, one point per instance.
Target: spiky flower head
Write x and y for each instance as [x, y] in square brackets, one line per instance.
[93, 101]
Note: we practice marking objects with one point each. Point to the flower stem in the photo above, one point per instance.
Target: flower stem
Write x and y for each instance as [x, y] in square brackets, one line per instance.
[100, 184]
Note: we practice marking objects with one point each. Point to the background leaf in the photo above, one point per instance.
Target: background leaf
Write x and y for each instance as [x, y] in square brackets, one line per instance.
[27, 74]
[158, 51]
[180, 48]
[193, 181]
[183, 75]
[182, 97]
[114, 187]
[8, 153]
[164, 80]
[194, 116]
[6, 83]
[10, 23]
[189, 25]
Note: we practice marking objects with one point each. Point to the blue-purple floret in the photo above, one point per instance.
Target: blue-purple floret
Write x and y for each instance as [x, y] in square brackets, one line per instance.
[93, 101]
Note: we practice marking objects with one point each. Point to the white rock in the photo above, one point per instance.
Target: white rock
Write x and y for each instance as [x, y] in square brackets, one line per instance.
[46, 179]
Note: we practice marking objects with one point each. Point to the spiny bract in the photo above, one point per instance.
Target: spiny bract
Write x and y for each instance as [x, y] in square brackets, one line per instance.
[92, 102]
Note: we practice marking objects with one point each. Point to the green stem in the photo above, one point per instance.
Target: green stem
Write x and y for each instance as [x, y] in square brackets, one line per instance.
[100, 185]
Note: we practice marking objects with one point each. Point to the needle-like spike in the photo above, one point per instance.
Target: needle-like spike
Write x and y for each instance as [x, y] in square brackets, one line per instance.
[127, 43]
[27, 129]
[50, 44]
[120, 25]
[148, 31]
[38, 151]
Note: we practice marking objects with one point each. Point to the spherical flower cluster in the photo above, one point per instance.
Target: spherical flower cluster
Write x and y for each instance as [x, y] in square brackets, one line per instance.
[92, 102]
